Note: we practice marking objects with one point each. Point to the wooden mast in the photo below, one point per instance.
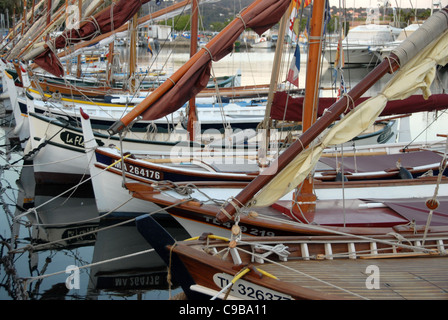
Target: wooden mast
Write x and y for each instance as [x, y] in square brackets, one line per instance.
[48, 18]
[78, 66]
[305, 198]
[32, 12]
[110, 60]
[24, 17]
[267, 121]
[192, 115]
[13, 23]
[133, 52]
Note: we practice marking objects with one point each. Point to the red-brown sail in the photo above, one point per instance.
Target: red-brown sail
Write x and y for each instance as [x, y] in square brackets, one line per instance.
[110, 18]
[294, 105]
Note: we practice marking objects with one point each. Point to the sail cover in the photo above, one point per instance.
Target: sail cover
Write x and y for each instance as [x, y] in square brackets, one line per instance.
[108, 19]
[417, 74]
[263, 16]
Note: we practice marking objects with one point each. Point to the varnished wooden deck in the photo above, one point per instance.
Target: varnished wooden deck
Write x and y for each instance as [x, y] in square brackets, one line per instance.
[404, 278]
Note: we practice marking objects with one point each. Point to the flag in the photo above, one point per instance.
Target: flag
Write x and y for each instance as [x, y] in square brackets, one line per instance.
[339, 57]
[291, 32]
[293, 73]
[293, 27]
[342, 89]
[307, 2]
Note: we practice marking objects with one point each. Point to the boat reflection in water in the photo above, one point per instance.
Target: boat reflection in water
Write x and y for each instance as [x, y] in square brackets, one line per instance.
[128, 274]
[111, 258]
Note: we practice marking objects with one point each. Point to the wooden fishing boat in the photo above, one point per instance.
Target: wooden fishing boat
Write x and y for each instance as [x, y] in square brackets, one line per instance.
[333, 267]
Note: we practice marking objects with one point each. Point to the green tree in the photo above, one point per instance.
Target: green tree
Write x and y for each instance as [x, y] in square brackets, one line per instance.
[8, 6]
[181, 23]
[423, 14]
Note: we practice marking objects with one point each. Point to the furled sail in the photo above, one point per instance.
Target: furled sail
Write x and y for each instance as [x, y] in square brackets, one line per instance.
[417, 74]
[287, 108]
[165, 13]
[105, 21]
[104, 40]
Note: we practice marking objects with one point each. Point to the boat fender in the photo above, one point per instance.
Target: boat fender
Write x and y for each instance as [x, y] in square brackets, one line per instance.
[405, 174]
[108, 99]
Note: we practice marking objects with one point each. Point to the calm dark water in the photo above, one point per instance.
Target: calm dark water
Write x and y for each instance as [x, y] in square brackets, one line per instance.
[97, 247]
[110, 262]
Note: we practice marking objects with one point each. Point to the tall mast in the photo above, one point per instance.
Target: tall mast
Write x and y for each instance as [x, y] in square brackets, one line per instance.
[78, 66]
[267, 121]
[32, 12]
[48, 17]
[305, 199]
[24, 17]
[192, 115]
[110, 59]
[133, 52]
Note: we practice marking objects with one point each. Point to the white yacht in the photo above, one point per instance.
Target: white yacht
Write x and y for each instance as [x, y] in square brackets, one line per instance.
[361, 43]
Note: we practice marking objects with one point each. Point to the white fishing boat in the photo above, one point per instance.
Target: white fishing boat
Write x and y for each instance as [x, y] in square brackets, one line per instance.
[262, 42]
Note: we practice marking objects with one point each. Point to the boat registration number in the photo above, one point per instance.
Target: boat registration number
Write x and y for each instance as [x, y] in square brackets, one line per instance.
[140, 171]
[248, 290]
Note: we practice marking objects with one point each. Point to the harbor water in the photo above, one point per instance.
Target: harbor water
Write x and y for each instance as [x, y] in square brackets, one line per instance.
[54, 245]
